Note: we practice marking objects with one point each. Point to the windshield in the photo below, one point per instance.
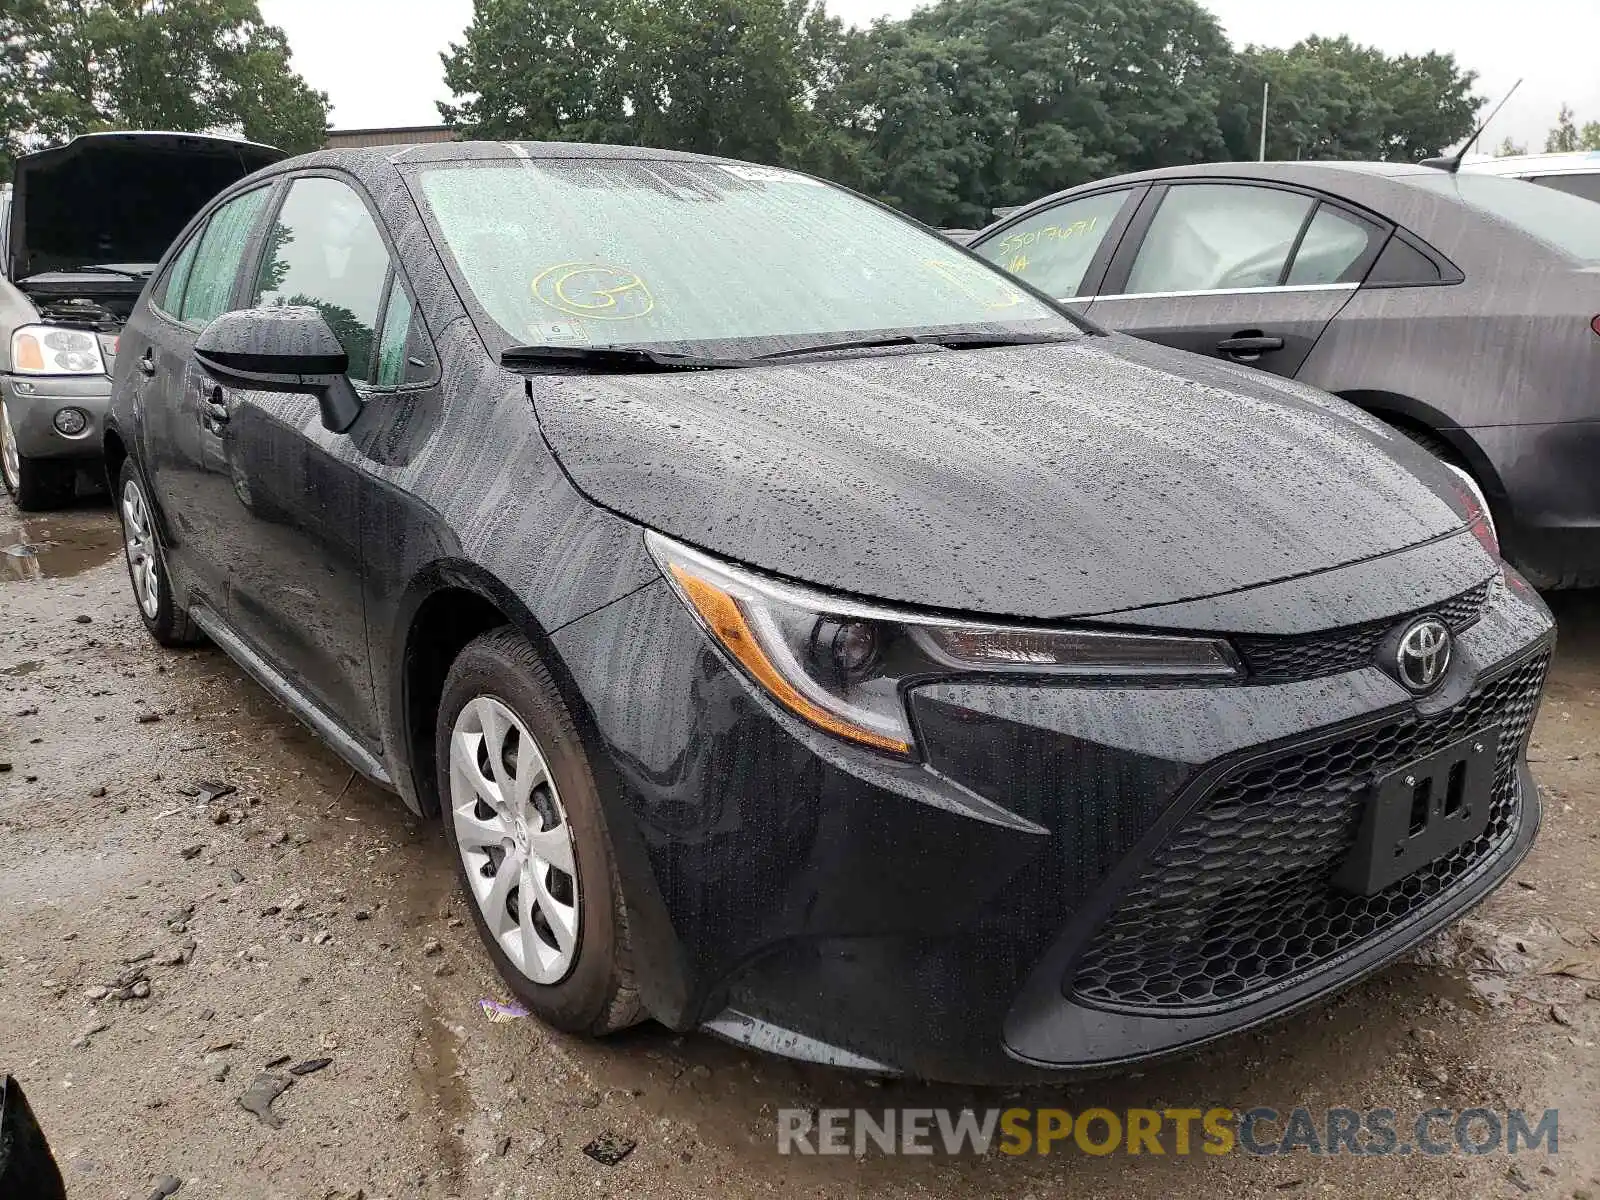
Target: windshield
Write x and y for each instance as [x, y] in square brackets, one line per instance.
[585, 252]
[1561, 221]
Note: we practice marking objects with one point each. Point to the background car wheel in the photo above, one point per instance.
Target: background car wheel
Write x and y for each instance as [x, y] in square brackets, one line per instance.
[523, 816]
[35, 484]
[167, 622]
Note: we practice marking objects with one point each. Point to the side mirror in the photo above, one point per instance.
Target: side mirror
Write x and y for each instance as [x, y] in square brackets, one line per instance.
[289, 349]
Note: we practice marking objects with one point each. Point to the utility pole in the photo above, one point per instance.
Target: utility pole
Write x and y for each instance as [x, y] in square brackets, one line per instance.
[1266, 89]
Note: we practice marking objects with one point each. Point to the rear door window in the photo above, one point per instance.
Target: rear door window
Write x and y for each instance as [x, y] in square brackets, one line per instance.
[324, 250]
[1335, 249]
[209, 290]
[1052, 248]
[1218, 237]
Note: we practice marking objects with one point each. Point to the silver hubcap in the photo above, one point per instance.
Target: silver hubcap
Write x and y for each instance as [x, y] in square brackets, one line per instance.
[514, 839]
[10, 461]
[140, 540]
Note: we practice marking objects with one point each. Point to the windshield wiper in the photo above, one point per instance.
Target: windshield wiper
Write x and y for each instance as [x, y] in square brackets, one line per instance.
[948, 341]
[614, 358]
[128, 271]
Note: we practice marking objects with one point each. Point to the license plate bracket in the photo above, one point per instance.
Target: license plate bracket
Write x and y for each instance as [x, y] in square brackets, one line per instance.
[1420, 812]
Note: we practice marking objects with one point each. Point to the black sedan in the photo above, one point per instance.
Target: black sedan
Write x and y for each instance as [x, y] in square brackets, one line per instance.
[806, 632]
[1464, 310]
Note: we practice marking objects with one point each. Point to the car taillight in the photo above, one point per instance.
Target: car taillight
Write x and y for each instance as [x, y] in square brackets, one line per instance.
[1595, 324]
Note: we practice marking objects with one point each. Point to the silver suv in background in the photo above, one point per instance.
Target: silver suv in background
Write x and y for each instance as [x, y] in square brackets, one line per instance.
[81, 228]
[1577, 173]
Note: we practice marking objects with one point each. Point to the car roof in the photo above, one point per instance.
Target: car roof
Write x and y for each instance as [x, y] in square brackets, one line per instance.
[358, 159]
[1311, 174]
[1578, 162]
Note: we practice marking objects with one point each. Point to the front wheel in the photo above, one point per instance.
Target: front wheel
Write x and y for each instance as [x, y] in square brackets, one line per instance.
[523, 815]
[167, 621]
[36, 484]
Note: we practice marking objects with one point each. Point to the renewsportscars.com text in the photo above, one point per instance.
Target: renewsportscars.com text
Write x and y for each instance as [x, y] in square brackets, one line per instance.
[1376, 1132]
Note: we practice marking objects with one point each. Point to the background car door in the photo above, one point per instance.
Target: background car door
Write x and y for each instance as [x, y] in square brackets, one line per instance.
[291, 512]
[1248, 273]
[1063, 249]
[197, 286]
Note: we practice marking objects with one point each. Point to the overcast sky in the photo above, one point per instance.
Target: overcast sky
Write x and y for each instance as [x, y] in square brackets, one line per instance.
[378, 60]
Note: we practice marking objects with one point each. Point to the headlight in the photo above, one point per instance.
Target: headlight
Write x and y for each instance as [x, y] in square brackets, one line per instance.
[51, 350]
[842, 665]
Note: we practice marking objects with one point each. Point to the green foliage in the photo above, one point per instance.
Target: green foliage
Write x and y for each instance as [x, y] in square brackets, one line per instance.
[718, 76]
[74, 66]
[961, 107]
[1567, 137]
[1508, 148]
[1331, 98]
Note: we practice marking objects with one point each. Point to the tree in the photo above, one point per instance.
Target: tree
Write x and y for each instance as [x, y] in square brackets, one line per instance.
[73, 66]
[1567, 137]
[550, 70]
[718, 76]
[1508, 148]
[1331, 98]
[976, 103]
[961, 107]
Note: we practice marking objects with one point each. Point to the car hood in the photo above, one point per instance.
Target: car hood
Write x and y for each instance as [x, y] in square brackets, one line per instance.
[1044, 481]
[107, 198]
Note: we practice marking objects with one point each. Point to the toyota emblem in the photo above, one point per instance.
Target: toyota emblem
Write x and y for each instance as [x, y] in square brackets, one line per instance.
[1422, 654]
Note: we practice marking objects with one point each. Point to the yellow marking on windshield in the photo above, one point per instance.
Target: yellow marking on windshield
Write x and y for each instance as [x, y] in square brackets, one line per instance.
[594, 290]
[984, 288]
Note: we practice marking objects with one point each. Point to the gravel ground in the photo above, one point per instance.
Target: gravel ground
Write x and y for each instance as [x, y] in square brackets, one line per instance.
[159, 949]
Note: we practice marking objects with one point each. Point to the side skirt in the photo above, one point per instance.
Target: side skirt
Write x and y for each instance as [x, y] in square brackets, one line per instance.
[319, 721]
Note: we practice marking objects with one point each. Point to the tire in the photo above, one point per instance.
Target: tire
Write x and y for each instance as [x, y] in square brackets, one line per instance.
[168, 622]
[36, 484]
[1434, 445]
[499, 692]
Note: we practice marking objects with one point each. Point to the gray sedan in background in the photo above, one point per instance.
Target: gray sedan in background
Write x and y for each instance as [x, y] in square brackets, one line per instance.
[1462, 309]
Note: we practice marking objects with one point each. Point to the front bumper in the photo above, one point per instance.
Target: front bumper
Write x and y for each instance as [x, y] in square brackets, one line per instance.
[938, 919]
[34, 400]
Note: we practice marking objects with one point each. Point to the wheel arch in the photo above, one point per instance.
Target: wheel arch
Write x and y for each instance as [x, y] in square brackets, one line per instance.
[1411, 415]
[447, 605]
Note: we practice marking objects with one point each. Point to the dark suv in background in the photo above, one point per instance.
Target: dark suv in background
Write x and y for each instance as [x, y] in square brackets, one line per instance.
[85, 225]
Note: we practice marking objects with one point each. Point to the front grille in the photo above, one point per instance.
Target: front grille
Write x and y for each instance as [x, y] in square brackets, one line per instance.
[1237, 903]
[1329, 651]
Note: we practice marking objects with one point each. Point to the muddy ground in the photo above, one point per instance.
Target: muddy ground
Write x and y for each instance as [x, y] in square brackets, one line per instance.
[308, 915]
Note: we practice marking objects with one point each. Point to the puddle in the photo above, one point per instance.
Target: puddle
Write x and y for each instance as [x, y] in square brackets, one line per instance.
[57, 546]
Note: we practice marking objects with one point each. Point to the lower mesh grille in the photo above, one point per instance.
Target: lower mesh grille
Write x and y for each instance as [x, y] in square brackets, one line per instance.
[1237, 902]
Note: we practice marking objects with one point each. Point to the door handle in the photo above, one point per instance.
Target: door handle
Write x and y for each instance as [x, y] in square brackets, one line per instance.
[147, 363]
[1251, 344]
[216, 411]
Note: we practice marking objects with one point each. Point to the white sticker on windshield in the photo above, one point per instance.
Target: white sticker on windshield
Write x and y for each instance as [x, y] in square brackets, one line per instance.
[558, 333]
[768, 175]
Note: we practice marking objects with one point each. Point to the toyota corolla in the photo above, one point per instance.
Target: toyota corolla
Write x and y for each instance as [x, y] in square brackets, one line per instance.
[806, 632]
